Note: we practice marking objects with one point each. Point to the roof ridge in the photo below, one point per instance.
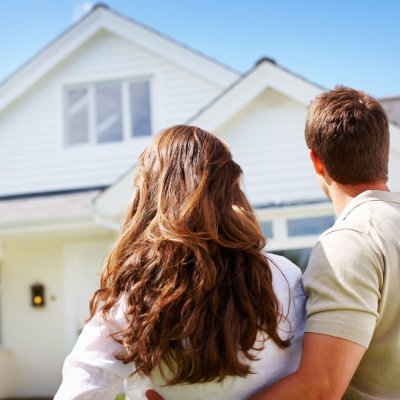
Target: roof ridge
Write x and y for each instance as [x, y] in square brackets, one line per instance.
[105, 7]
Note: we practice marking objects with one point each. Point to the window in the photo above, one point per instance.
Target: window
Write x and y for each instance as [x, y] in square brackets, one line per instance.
[293, 231]
[107, 112]
[309, 226]
[267, 229]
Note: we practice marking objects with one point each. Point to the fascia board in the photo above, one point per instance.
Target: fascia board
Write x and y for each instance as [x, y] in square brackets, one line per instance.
[47, 60]
[264, 76]
[114, 201]
[102, 19]
[51, 225]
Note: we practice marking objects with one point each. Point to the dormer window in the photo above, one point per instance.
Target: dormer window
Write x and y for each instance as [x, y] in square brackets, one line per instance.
[107, 112]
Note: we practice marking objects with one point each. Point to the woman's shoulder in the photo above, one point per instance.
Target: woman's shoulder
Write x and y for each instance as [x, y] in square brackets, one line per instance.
[286, 281]
[285, 274]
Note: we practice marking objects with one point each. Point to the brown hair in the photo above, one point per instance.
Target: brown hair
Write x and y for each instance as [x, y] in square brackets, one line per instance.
[348, 130]
[189, 263]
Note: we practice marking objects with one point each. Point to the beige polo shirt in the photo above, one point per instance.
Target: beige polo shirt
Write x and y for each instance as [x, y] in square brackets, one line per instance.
[353, 288]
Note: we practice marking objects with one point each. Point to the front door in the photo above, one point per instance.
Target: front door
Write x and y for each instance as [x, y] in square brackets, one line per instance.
[83, 262]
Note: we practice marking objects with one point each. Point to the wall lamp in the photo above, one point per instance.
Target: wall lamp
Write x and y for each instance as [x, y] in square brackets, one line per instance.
[37, 295]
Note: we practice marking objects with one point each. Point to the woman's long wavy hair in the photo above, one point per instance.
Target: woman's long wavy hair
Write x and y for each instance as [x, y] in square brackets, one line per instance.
[189, 263]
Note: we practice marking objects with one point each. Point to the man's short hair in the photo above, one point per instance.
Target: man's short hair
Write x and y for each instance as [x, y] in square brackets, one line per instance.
[349, 132]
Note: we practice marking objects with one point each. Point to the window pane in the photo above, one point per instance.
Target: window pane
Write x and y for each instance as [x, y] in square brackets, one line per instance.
[299, 257]
[77, 116]
[108, 112]
[309, 226]
[267, 229]
[140, 108]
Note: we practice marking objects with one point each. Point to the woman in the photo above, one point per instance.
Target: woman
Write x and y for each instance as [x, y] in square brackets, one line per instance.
[189, 304]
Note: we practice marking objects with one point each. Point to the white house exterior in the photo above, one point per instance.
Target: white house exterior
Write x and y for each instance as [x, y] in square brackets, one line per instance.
[392, 108]
[73, 121]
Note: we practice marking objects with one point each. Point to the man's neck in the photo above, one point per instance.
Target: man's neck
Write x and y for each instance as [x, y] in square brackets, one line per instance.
[341, 195]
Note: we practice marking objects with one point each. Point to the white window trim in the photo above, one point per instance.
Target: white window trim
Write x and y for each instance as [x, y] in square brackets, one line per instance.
[92, 117]
[126, 113]
[279, 216]
[125, 109]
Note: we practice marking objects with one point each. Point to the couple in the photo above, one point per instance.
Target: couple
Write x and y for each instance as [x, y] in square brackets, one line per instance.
[190, 301]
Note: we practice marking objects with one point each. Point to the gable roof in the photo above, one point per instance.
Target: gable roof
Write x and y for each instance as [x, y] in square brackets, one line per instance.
[265, 74]
[112, 201]
[102, 18]
[67, 209]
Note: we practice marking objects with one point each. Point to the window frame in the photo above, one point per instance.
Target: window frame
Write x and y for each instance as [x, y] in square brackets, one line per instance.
[92, 111]
[294, 225]
[279, 217]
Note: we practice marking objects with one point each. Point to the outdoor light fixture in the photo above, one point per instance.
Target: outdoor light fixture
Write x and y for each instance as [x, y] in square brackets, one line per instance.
[37, 295]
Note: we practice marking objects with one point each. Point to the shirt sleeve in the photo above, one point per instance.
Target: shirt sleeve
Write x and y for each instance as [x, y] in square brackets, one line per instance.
[343, 282]
[91, 371]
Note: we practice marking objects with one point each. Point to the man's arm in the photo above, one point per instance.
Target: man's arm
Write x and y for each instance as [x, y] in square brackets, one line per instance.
[326, 368]
[342, 282]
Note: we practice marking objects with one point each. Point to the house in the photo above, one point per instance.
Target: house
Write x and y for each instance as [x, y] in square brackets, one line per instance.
[73, 121]
[392, 108]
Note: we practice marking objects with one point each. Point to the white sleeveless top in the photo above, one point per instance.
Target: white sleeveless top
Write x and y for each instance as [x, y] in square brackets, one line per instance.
[92, 372]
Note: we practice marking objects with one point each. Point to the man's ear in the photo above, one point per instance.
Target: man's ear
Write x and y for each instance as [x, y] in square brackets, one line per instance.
[317, 163]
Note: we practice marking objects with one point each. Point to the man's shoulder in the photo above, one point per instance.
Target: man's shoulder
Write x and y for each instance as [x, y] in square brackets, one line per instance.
[344, 246]
[345, 233]
[344, 242]
[365, 222]
[365, 211]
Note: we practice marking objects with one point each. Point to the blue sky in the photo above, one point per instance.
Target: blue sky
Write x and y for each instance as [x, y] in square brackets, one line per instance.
[351, 42]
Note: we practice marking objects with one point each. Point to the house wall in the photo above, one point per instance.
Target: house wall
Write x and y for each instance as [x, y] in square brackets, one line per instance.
[392, 108]
[267, 140]
[33, 157]
[34, 337]
[5, 373]
[394, 168]
[36, 340]
[83, 258]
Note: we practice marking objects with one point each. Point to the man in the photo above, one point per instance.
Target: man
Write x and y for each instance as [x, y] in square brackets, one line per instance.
[351, 348]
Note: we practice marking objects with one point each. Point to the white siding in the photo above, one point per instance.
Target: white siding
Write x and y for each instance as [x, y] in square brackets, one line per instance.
[267, 140]
[34, 337]
[32, 156]
[394, 169]
[37, 339]
[392, 108]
